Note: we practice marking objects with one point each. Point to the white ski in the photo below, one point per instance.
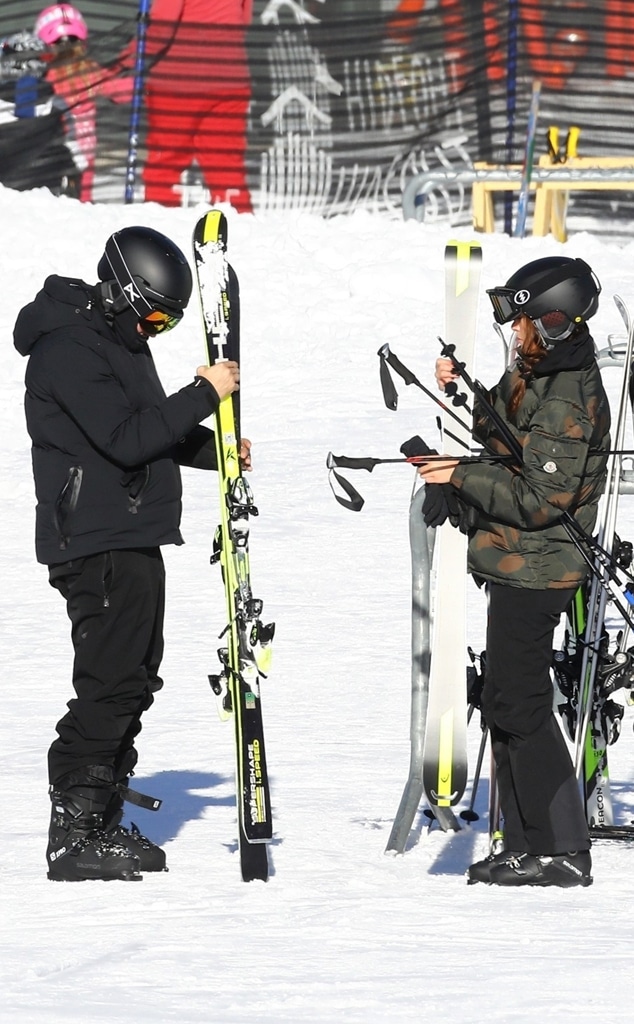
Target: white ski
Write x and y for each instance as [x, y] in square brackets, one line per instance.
[445, 745]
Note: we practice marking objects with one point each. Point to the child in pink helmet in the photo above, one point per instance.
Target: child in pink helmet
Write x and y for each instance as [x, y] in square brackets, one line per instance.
[78, 80]
[60, 21]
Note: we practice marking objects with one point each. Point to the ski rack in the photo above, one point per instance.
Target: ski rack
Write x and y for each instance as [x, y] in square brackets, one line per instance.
[422, 184]
[422, 540]
[422, 547]
[422, 551]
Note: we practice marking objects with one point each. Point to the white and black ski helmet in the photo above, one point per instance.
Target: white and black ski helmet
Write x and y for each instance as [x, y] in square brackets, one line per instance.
[557, 293]
[148, 271]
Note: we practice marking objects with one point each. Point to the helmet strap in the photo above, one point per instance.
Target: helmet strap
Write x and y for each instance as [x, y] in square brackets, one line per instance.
[544, 342]
[112, 298]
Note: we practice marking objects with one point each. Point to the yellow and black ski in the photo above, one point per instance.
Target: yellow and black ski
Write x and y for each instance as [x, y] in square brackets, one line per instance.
[245, 659]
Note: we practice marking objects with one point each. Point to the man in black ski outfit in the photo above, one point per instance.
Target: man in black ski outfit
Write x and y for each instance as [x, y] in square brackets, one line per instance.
[107, 442]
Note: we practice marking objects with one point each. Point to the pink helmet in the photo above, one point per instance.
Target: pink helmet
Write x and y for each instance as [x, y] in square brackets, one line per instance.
[61, 21]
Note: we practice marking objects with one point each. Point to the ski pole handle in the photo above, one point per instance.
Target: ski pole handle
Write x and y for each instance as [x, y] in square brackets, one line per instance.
[350, 462]
[399, 367]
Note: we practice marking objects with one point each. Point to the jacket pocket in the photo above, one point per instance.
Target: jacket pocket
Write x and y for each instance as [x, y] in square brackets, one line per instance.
[66, 504]
[135, 484]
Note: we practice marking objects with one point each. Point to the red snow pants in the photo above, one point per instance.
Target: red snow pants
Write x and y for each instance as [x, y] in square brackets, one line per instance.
[213, 132]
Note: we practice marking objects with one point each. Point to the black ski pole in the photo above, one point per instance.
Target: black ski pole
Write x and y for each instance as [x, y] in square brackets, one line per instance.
[575, 531]
[469, 814]
[352, 499]
[368, 462]
[390, 394]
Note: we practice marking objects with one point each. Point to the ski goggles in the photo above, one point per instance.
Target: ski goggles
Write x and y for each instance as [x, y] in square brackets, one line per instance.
[555, 325]
[504, 307]
[157, 321]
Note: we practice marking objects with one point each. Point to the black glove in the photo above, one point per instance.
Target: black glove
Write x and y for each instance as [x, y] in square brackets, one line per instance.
[416, 446]
[464, 517]
[435, 505]
[441, 501]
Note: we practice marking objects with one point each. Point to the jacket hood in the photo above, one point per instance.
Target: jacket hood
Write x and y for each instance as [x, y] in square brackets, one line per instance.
[62, 302]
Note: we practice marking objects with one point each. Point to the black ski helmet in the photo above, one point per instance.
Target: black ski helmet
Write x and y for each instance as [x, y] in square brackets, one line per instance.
[145, 271]
[557, 293]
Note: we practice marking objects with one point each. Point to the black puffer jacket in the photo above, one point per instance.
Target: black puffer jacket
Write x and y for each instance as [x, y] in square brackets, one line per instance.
[106, 439]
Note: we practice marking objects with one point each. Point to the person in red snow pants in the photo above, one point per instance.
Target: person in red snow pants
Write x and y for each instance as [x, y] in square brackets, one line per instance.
[198, 94]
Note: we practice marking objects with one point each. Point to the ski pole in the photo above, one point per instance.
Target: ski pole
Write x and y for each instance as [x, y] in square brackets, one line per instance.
[575, 531]
[568, 521]
[368, 462]
[527, 169]
[479, 391]
[390, 394]
[511, 102]
[137, 99]
[469, 814]
[353, 499]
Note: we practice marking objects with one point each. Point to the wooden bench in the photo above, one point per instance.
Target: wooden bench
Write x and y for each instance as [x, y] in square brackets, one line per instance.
[551, 196]
[482, 208]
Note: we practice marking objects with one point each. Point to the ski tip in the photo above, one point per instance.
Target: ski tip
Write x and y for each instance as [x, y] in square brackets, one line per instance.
[470, 247]
[623, 310]
[211, 227]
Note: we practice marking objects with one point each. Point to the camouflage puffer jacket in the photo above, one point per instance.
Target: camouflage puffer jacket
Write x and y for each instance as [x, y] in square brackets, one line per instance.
[563, 427]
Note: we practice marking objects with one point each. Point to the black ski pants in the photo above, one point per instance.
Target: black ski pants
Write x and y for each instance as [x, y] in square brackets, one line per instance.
[115, 601]
[539, 794]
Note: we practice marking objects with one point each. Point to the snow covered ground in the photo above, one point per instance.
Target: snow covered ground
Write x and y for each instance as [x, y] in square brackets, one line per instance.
[341, 932]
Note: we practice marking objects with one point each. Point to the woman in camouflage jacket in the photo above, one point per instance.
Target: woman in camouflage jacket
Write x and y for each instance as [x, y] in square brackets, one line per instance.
[553, 403]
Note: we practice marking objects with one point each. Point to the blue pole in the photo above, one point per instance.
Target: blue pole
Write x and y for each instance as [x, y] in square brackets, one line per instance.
[137, 99]
[511, 96]
[527, 171]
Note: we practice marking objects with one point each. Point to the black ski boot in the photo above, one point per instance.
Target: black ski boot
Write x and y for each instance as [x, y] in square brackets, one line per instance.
[151, 857]
[78, 847]
[481, 870]
[563, 870]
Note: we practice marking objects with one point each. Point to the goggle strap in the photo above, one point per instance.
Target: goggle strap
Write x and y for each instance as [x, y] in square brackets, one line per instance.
[125, 280]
